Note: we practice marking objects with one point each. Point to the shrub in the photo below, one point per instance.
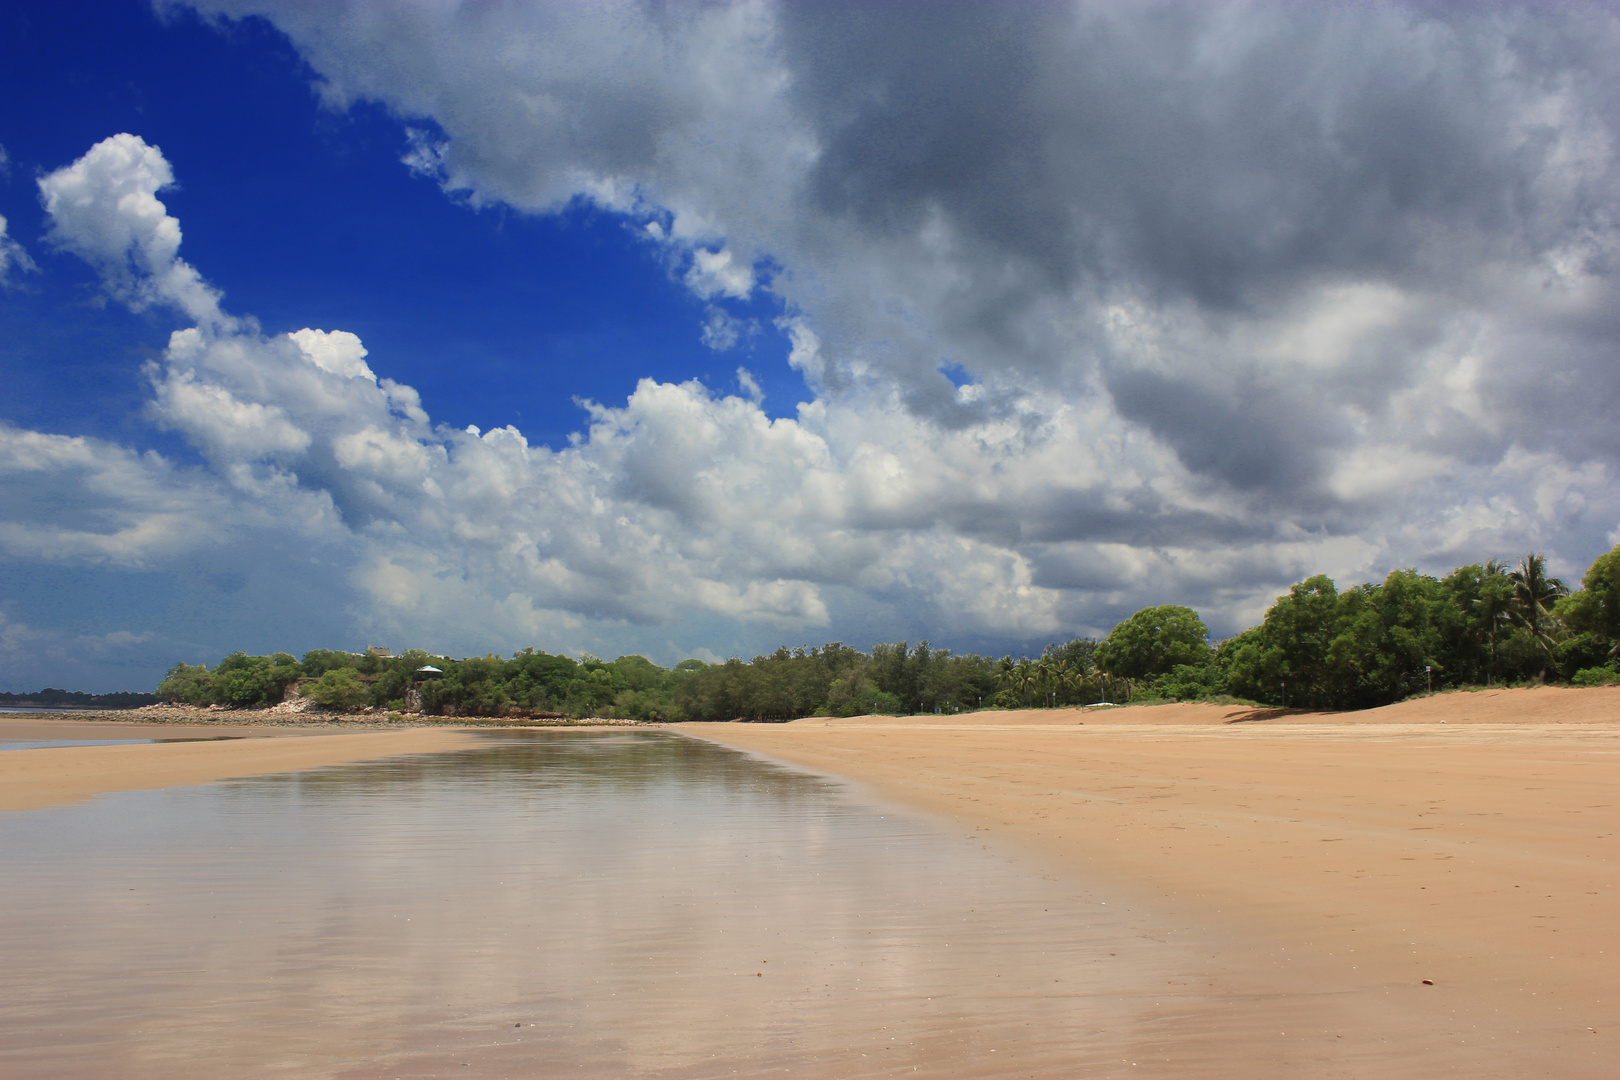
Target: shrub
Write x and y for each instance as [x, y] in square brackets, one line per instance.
[868, 700]
[1595, 676]
[187, 684]
[339, 688]
[1187, 682]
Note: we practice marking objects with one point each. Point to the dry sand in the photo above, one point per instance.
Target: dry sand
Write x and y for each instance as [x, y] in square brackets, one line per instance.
[48, 776]
[1324, 864]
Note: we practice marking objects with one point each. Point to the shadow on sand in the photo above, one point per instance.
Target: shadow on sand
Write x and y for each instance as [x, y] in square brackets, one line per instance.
[1252, 716]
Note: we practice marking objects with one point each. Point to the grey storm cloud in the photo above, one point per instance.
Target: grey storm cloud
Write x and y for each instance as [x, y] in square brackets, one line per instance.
[1228, 155]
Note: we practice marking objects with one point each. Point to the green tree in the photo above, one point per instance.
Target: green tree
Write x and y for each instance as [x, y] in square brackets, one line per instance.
[1534, 597]
[253, 681]
[1595, 609]
[1003, 677]
[1389, 640]
[1284, 659]
[1189, 682]
[868, 700]
[398, 673]
[1061, 677]
[317, 662]
[187, 684]
[1019, 677]
[1481, 596]
[641, 674]
[1153, 642]
[538, 680]
[338, 688]
[1073, 673]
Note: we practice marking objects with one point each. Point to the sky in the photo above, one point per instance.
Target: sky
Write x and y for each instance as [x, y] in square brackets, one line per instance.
[695, 329]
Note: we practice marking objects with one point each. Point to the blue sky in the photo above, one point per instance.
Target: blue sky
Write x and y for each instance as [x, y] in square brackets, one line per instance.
[782, 323]
[305, 217]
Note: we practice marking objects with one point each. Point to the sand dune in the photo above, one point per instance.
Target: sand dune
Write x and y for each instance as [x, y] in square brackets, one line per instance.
[1326, 864]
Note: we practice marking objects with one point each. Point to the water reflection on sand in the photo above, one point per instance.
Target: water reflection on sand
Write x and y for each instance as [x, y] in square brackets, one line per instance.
[580, 903]
[68, 743]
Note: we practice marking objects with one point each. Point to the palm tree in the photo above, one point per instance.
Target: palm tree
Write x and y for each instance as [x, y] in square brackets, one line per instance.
[1026, 678]
[1077, 680]
[1018, 675]
[1044, 678]
[1534, 593]
[1004, 672]
[1493, 604]
[1068, 678]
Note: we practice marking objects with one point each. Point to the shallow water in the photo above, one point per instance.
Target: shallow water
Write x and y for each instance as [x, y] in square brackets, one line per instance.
[549, 903]
[57, 744]
[46, 744]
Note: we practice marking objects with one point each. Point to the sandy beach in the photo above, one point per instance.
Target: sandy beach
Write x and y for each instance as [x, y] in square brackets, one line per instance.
[1426, 889]
[50, 776]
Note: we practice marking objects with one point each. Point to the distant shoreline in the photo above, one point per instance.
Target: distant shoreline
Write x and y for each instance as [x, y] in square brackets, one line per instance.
[1519, 704]
[284, 717]
[79, 702]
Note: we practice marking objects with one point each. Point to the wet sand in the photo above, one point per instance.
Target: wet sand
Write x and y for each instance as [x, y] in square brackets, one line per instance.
[51, 776]
[583, 903]
[1329, 863]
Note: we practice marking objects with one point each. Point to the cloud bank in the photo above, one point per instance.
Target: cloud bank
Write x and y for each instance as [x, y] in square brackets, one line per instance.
[1100, 306]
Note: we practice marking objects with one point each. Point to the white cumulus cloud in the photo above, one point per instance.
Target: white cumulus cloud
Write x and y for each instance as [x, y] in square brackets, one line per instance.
[339, 352]
[13, 256]
[104, 208]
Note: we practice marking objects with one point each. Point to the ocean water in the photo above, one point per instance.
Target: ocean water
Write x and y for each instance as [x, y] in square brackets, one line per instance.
[550, 903]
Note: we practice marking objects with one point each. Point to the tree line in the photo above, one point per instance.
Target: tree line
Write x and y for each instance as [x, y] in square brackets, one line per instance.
[1319, 648]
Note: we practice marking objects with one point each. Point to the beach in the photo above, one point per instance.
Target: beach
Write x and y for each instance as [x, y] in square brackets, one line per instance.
[1429, 888]
[193, 753]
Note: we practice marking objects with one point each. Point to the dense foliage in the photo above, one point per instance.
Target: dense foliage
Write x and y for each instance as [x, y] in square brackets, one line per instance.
[1316, 648]
[1479, 626]
[833, 679]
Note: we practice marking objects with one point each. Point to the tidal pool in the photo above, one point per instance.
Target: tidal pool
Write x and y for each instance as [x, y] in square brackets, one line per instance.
[549, 903]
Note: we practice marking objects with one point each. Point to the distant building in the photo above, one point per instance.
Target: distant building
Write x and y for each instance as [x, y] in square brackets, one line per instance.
[379, 650]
